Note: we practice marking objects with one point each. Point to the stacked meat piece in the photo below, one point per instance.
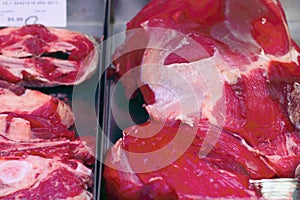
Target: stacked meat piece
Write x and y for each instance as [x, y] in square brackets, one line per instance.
[40, 156]
[220, 80]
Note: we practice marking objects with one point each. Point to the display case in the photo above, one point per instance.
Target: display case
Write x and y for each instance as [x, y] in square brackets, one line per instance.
[86, 16]
[91, 101]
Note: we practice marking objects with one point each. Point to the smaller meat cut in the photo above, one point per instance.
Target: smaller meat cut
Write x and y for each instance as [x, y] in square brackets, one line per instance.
[62, 149]
[39, 178]
[38, 115]
[40, 56]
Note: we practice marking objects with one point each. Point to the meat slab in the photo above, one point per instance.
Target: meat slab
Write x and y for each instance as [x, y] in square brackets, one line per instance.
[225, 171]
[62, 149]
[41, 56]
[38, 115]
[35, 177]
[230, 64]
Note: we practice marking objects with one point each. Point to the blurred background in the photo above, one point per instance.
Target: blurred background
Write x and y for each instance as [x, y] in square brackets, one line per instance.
[292, 11]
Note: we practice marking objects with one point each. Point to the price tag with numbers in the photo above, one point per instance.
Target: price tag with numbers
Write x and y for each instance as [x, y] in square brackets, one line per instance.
[20, 12]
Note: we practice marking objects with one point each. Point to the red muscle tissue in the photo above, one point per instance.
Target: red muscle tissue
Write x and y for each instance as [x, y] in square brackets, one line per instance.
[224, 72]
[40, 157]
[42, 56]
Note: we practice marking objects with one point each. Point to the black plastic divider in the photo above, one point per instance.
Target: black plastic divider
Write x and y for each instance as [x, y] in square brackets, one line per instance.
[103, 107]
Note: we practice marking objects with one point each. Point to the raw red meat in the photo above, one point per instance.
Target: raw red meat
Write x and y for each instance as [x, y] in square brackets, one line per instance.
[257, 109]
[42, 56]
[40, 157]
[186, 45]
[231, 62]
[152, 174]
[34, 177]
[37, 114]
[62, 149]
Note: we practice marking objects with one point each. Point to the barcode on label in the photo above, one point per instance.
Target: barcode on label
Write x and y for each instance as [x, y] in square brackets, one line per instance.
[28, 3]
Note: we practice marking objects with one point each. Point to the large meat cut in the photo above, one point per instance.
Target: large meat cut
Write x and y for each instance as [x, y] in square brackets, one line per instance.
[42, 56]
[229, 65]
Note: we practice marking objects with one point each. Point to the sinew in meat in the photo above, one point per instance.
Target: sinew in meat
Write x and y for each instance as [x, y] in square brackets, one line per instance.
[40, 158]
[229, 64]
[43, 115]
[36, 177]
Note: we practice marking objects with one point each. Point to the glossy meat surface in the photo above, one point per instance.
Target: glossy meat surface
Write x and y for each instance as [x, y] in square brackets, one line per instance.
[40, 115]
[40, 178]
[62, 149]
[40, 56]
[227, 64]
[178, 171]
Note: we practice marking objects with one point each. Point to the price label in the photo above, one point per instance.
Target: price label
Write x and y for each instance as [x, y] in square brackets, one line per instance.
[21, 12]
